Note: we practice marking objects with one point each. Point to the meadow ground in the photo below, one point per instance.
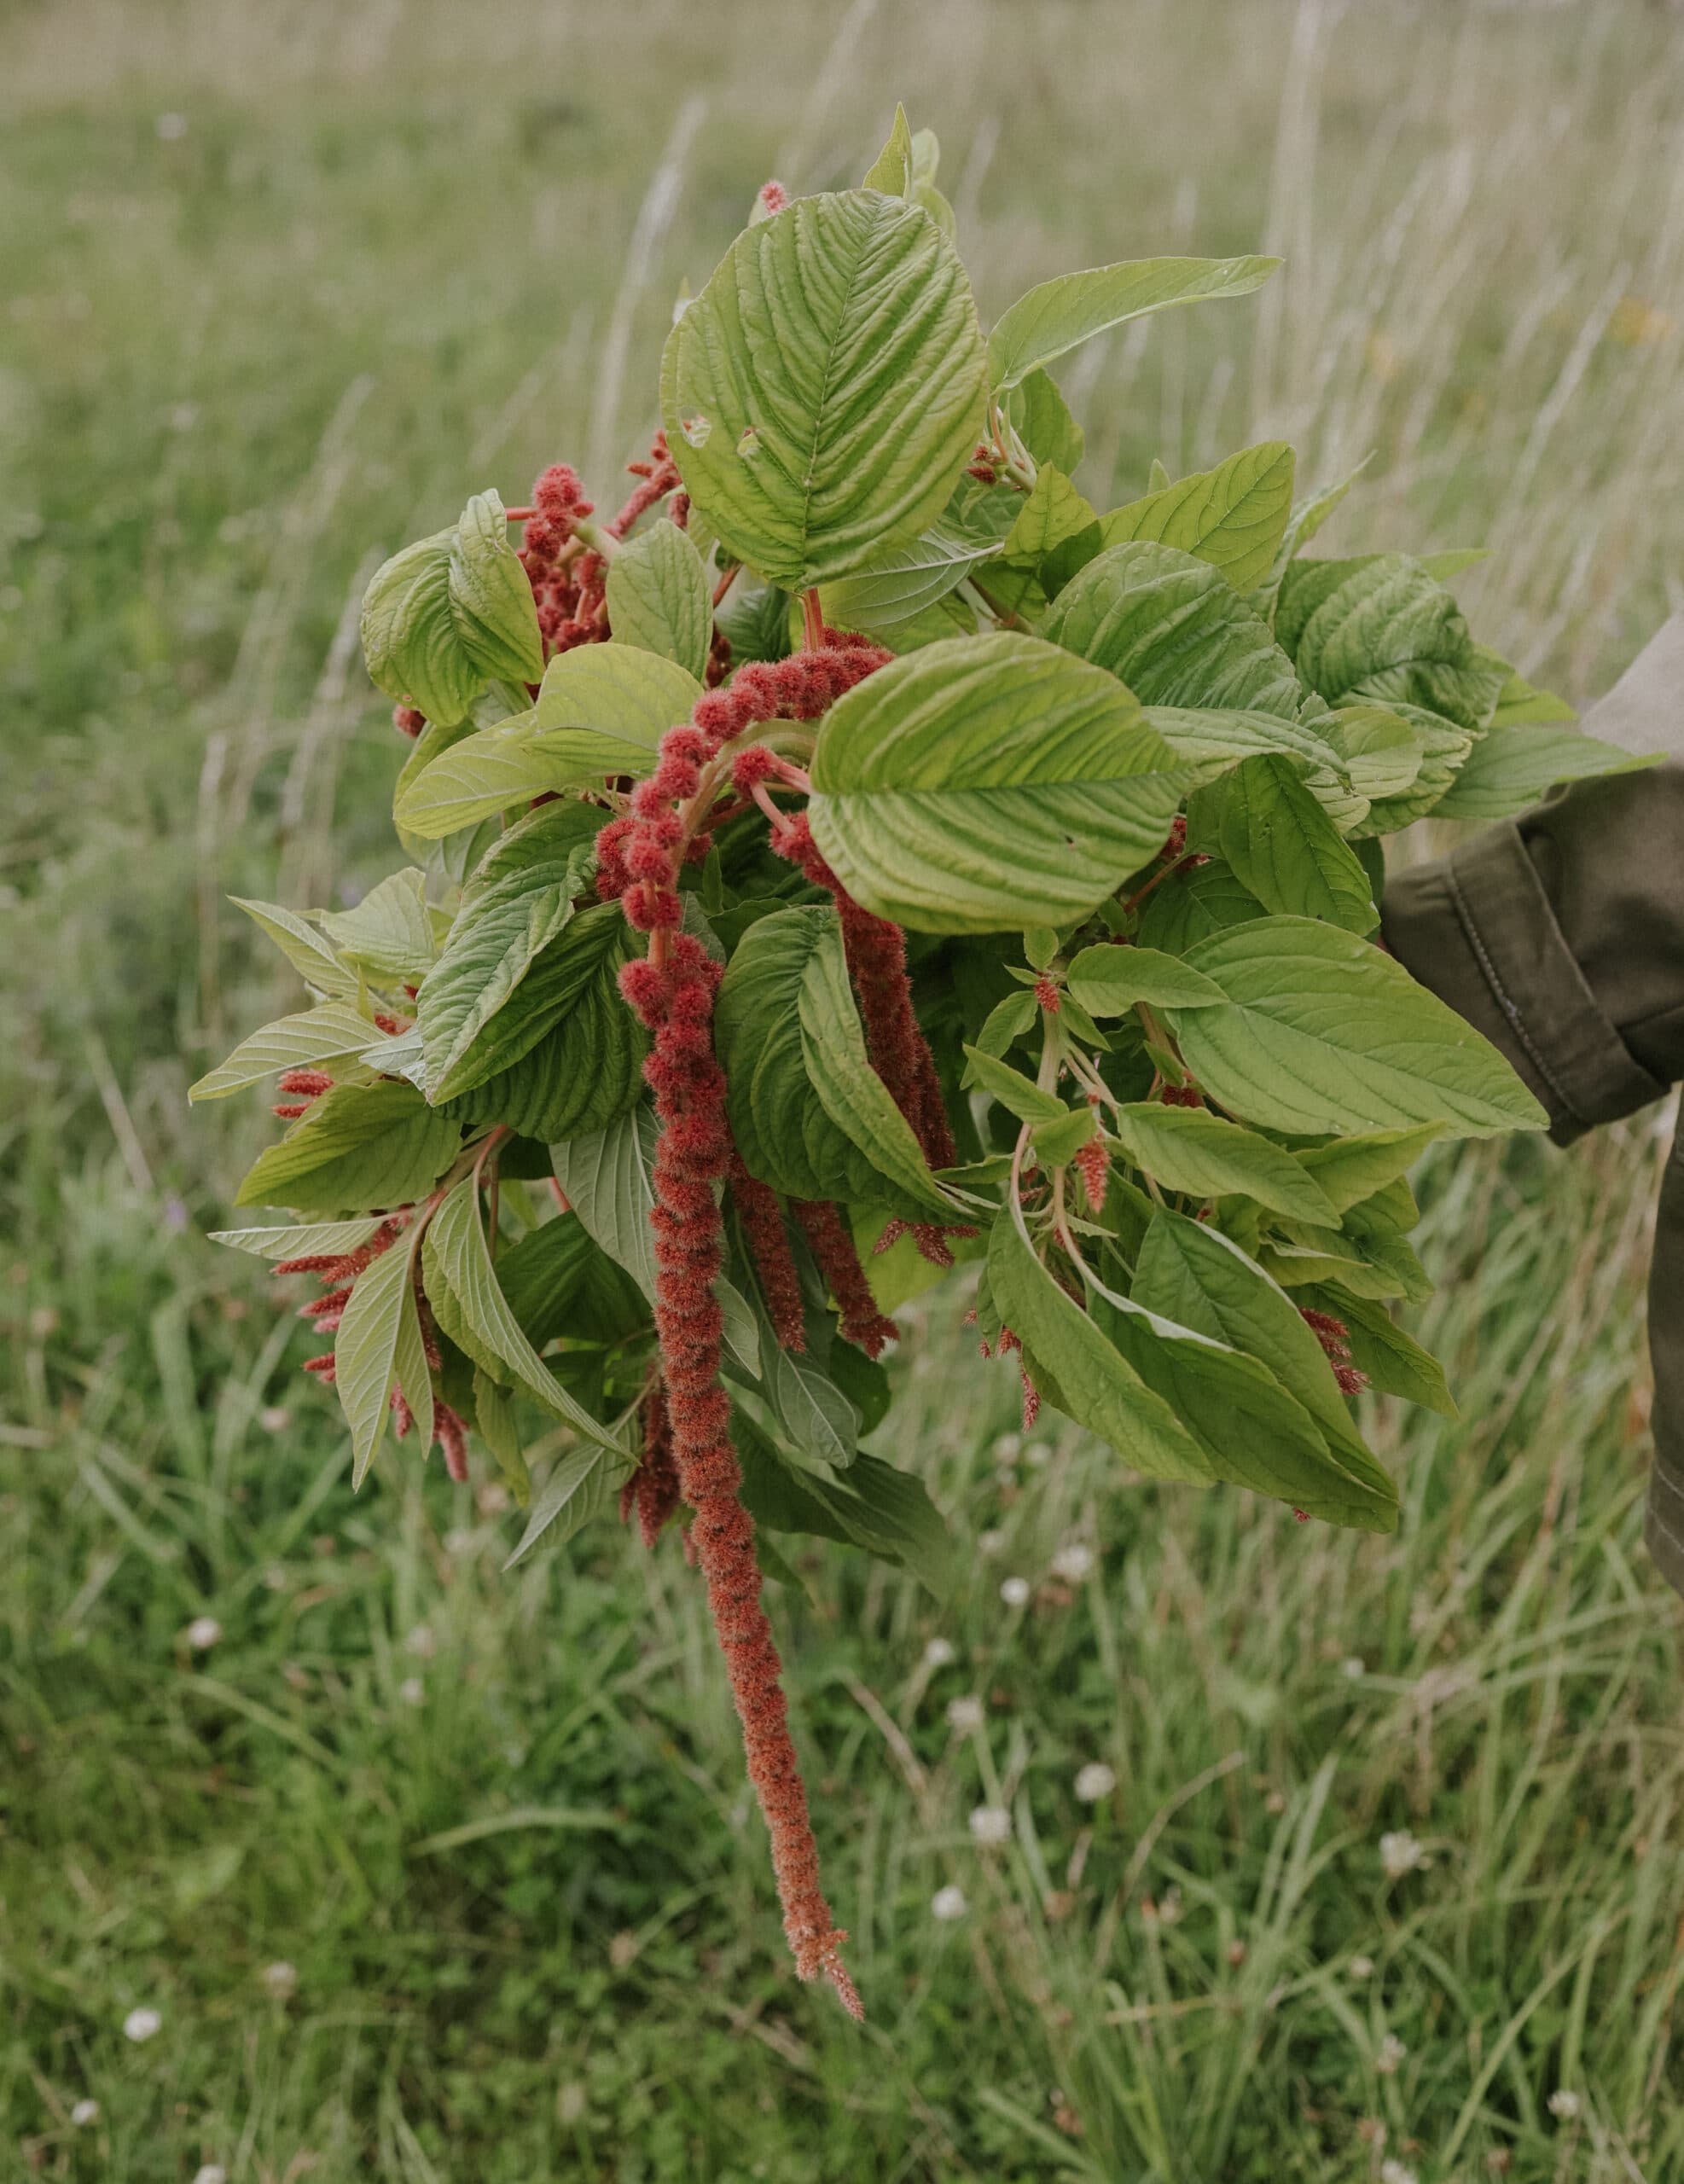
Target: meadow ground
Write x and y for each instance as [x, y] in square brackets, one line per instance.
[441, 1876]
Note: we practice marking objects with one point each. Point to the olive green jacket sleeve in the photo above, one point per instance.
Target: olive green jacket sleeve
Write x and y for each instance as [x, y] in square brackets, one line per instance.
[1561, 936]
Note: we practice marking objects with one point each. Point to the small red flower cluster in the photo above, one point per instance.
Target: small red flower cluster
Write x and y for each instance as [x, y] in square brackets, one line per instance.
[653, 1489]
[305, 1085]
[566, 578]
[1093, 1165]
[660, 473]
[1333, 1335]
[1180, 1095]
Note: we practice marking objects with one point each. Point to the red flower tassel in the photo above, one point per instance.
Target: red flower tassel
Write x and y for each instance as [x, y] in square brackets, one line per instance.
[773, 1261]
[861, 1323]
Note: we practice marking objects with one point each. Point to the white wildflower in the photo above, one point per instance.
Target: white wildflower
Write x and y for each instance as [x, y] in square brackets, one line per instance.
[1400, 1853]
[1014, 1591]
[412, 1690]
[1564, 2104]
[1073, 1563]
[948, 1903]
[939, 1654]
[142, 2024]
[964, 1714]
[991, 1541]
[203, 1632]
[85, 2112]
[1038, 1453]
[1007, 1447]
[1397, 2172]
[1354, 1668]
[279, 1979]
[1388, 2054]
[992, 1824]
[1094, 1781]
[1361, 1967]
[273, 1417]
[212, 2172]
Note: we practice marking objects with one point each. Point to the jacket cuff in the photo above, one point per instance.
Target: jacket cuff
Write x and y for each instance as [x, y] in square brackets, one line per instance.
[1478, 930]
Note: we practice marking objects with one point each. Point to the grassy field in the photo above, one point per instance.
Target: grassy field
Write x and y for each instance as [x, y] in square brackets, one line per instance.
[441, 1876]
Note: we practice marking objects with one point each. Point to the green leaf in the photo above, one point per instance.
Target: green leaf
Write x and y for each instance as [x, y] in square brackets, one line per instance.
[825, 389]
[319, 1237]
[358, 1146]
[1095, 1386]
[1053, 512]
[500, 931]
[892, 171]
[1394, 1361]
[329, 1033]
[660, 599]
[560, 1281]
[1282, 844]
[1306, 520]
[1107, 980]
[460, 1275]
[491, 603]
[1187, 1149]
[1351, 1169]
[1323, 1031]
[411, 640]
[480, 775]
[1058, 1142]
[924, 770]
[451, 856]
[566, 972]
[1233, 517]
[1175, 631]
[1443, 749]
[605, 1177]
[583, 1485]
[1040, 417]
[1378, 628]
[874, 1507]
[308, 952]
[1520, 702]
[1007, 1021]
[925, 162]
[494, 1416]
[623, 697]
[1194, 903]
[1381, 751]
[1060, 313]
[380, 1342]
[851, 1093]
[754, 619]
[1190, 1273]
[1509, 769]
[1012, 1089]
[894, 588]
[389, 933]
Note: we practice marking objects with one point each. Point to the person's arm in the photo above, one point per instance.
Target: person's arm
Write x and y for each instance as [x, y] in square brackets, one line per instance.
[1561, 935]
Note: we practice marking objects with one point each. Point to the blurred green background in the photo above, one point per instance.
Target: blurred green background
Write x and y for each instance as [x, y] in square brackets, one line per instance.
[431, 1874]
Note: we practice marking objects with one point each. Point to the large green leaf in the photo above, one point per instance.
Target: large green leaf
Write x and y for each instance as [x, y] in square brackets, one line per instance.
[479, 776]
[1189, 1149]
[389, 933]
[501, 930]
[605, 1177]
[410, 640]
[491, 599]
[988, 781]
[463, 1287]
[893, 588]
[1041, 417]
[873, 1506]
[452, 855]
[1394, 1361]
[1192, 1274]
[1053, 512]
[583, 1485]
[330, 1033]
[853, 1094]
[1351, 1169]
[552, 986]
[1106, 980]
[774, 1038]
[1281, 844]
[1062, 313]
[358, 1146]
[1192, 904]
[322, 1237]
[1378, 628]
[309, 952]
[380, 1342]
[823, 392]
[660, 599]
[1233, 517]
[1510, 767]
[1305, 520]
[1090, 1380]
[1174, 630]
[560, 1281]
[1323, 1031]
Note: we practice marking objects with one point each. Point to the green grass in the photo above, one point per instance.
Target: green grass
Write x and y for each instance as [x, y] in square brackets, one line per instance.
[498, 1824]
